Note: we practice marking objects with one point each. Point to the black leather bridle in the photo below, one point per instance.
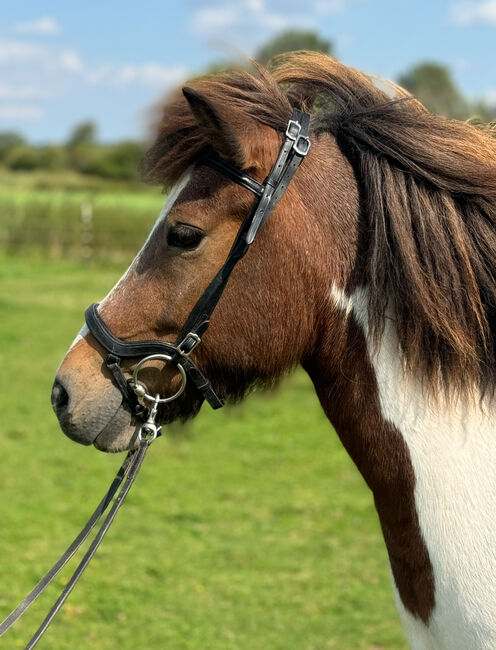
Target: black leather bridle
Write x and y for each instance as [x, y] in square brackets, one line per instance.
[294, 148]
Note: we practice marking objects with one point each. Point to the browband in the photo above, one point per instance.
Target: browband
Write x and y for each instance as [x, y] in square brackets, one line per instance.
[214, 161]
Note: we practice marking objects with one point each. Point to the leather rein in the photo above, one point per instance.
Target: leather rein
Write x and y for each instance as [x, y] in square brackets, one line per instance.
[143, 405]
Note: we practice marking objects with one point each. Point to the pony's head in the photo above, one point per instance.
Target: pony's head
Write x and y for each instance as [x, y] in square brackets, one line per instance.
[268, 317]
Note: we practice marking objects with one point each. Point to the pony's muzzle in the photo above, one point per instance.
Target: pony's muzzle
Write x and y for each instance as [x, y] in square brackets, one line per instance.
[61, 404]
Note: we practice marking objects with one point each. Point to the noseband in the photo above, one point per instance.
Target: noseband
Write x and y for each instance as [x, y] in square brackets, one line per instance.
[294, 148]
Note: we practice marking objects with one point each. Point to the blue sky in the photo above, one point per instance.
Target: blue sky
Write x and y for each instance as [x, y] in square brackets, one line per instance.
[63, 62]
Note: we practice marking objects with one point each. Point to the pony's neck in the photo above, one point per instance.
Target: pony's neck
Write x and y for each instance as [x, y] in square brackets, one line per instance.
[431, 467]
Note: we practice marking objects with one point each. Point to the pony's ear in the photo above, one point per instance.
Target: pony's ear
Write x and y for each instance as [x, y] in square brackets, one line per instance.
[217, 130]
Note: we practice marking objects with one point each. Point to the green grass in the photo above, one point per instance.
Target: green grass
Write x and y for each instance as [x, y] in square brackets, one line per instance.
[247, 529]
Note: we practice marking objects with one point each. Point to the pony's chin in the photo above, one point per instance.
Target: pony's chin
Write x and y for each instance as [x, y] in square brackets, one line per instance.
[120, 434]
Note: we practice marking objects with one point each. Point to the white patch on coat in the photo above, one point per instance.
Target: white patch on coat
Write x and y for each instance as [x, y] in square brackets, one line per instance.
[453, 451]
[341, 300]
[84, 331]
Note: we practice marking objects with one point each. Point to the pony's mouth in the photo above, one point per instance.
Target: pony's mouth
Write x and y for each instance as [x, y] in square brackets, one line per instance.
[119, 434]
[101, 418]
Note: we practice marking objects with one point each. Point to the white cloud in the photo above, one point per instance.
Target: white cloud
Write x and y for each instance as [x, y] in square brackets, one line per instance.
[152, 74]
[246, 15]
[220, 18]
[20, 112]
[146, 74]
[240, 15]
[45, 26]
[331, 6]
[16, 91]
[35, 78]
[468, 13]
[47, 65]
[12, 51]
[71, 61]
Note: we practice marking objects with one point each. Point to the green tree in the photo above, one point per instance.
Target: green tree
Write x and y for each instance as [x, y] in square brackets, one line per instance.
[84, 133]
[293, 39]
[52, 156]
[433, 84]
[8, 141]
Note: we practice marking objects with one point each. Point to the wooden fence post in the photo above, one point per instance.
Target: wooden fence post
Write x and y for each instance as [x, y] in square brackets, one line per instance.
[86, 232]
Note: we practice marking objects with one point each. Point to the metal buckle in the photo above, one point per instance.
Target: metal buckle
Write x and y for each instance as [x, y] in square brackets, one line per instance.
[293, 130]
[302, 145]
[196, 341]
[149, 430]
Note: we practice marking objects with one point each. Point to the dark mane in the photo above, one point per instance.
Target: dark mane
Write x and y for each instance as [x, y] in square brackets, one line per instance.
[428, 187]
[242, 95]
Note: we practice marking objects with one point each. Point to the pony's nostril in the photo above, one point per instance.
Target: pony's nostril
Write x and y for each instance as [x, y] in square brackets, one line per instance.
[60, 398]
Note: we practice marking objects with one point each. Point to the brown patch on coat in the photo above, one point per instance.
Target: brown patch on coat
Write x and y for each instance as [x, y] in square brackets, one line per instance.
[347, 388]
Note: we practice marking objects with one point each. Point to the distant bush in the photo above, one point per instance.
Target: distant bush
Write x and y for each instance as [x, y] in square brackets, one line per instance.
[48, 221]
[83, 157]
[118, 161]
[23, 157]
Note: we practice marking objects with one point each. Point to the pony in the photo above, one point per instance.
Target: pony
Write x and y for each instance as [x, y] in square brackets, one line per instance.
[376, 273]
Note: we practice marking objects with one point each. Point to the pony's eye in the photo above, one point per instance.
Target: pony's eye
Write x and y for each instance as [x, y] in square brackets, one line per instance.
[183, 236]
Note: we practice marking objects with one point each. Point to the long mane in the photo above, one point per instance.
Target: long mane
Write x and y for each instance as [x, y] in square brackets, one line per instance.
[428, 191]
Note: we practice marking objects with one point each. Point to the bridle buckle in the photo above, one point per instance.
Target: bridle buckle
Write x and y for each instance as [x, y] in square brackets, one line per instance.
[302, 145]
[188, 344]
[293, 130]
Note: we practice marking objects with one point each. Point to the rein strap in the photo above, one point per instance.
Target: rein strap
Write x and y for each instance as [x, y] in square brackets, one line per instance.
[128, 471]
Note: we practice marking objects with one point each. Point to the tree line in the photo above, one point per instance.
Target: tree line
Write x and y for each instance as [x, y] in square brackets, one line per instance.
[81, 153]
[431, 82]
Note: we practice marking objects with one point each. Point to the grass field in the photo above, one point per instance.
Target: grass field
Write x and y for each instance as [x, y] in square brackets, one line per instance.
[248, 529]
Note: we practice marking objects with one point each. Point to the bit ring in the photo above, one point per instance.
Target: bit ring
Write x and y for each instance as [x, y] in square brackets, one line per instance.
[140, 389]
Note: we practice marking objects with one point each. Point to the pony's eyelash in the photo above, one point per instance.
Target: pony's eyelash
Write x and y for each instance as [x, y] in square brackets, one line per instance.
[184, 236]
